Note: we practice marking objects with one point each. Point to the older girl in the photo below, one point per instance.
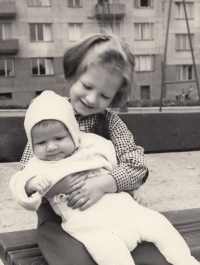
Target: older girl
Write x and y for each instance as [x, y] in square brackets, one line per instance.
[100, 71]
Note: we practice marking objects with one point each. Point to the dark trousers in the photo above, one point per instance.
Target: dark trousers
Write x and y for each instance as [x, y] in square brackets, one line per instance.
[59, 248]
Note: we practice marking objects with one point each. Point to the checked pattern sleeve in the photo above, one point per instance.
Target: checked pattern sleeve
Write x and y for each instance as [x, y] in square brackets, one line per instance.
[131, 171]
[27, 154]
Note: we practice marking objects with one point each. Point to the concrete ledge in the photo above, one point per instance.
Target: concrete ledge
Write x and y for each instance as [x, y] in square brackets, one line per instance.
[165, 132]
[155, 132]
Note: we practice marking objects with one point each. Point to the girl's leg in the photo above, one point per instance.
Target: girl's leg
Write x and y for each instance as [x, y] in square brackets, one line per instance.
[155, 228]
[58, 247]
[147, 254]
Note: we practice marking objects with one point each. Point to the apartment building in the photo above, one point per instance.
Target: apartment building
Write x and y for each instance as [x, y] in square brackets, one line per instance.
[35, 33]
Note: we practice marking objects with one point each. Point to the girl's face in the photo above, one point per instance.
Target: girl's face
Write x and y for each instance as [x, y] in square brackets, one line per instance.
[52, 142]
[94, 90]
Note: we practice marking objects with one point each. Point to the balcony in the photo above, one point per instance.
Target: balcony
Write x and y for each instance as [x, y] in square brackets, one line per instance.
[9, 46]
[7, 10]
[117, 11]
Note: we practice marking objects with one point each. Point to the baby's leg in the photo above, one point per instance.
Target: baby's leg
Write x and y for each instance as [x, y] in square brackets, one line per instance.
[155, 228]
[106, 248]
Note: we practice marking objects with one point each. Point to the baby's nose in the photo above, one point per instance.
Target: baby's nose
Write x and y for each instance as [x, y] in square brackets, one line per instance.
[51, 146]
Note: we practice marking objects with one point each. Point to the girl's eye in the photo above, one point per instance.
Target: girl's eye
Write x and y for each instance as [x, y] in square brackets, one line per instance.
[87, 87]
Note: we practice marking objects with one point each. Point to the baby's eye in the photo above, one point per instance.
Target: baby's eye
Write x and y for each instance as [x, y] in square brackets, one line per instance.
[41, 143]
[60, 138]
[105, 96]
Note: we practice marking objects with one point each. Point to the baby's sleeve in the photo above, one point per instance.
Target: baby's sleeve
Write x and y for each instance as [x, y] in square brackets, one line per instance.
[17, 185]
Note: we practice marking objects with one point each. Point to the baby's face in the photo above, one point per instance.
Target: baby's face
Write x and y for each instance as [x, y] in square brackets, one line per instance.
[52, 142]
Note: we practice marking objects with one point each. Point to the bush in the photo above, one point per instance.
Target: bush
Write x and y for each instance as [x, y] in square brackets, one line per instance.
[165, 103]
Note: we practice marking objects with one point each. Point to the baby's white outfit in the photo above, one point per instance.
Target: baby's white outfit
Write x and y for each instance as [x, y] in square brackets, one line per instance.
[112, 227]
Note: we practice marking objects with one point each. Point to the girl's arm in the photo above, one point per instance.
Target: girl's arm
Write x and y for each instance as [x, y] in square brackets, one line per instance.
[92, 191]
[131, 171]
[27, 154]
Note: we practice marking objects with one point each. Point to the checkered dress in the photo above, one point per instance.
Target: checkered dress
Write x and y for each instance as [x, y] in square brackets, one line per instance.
[131, 171]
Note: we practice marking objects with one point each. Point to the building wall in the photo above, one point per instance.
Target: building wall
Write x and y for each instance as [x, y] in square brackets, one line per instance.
[24, 86]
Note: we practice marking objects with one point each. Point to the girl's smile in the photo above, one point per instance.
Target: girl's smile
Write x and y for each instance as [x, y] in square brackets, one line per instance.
[94, 90]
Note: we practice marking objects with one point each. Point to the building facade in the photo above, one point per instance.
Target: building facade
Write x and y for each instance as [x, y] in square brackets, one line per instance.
[35, 33]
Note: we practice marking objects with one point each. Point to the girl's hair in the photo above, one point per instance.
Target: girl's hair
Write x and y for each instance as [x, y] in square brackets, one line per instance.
[106, 50]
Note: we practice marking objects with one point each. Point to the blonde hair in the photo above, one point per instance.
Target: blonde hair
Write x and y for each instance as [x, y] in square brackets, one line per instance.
[106, 50]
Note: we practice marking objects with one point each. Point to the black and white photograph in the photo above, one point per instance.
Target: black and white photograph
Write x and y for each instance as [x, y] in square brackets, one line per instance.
[99, 132]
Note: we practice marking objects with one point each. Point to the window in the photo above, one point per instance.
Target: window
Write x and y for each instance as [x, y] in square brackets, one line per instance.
[5, 31]
[145, 92]
[6, 67]
[37, 93]
[7, 1]
[180, 13]
[107, 27]
[42, 66]
[5, 96]
[144, 31]
[100, 2]
[41, 32]
[182, 42]
[39, 3]
[75, 31]
[184, 72]
[144, 63]
[74, 3]
[143, 3]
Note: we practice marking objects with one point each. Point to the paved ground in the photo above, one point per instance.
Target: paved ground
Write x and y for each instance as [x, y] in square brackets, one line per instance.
[173, 184]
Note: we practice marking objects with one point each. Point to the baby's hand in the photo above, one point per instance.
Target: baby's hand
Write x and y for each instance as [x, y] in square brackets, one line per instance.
[38, 183]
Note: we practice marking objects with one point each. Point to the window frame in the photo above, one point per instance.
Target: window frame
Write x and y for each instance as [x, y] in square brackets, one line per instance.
[149, 92]
[180, 72]
[5, 95]
[183, 17]
[6, 68]
[74, 4]
[38, 66]
[35, 3]
[179, 42]
[7, 1]
[141, 29]
[36, 32]
[74, 28]
[137, 4]
[152, 63]
[4, 31]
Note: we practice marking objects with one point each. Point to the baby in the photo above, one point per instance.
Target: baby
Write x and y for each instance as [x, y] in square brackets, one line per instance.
[109, 229]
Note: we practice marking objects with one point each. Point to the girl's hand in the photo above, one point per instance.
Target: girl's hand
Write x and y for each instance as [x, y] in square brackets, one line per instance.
[68, 184]
[137, 196]
[91, 192]
[38, 183]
